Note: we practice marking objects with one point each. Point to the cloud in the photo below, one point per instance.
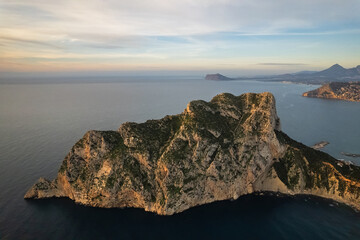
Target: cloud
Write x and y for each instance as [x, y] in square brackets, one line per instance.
[27, 41]
[303, 32]
[172, 29]
[174, 18]
[282, 64]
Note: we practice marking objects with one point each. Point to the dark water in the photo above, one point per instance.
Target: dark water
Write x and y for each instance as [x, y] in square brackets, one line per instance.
[40, 122]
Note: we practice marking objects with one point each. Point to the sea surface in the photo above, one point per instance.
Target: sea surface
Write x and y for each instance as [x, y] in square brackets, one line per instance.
[41, 120]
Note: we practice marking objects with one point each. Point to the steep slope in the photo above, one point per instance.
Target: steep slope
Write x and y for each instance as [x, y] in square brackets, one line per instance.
[337, 90]
[213, 151]
[334, 71]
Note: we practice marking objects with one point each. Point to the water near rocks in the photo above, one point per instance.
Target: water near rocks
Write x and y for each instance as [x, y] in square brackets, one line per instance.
[39, 122]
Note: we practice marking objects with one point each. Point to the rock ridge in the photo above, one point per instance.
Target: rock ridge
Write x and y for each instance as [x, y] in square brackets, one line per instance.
[349, 91]
[217, 150]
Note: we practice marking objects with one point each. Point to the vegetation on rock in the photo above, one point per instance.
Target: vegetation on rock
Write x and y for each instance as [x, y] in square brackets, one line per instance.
[213, 151]
[349, 91]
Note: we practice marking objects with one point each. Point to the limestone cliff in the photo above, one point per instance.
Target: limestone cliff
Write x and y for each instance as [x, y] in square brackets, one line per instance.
[349, 91]
[213, 151]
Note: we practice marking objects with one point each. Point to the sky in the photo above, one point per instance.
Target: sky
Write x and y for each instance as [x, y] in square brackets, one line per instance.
[237, 37]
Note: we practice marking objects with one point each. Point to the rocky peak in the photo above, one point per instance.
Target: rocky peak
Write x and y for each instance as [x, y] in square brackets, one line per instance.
[336, 66]
[213, 151]
[333, 71]
[337, 71]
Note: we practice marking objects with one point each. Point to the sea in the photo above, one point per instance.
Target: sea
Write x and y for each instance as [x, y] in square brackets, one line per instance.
[40, 120]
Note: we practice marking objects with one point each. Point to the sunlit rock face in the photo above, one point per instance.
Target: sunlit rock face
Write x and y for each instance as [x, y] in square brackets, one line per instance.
[349, 91]
[216, 150]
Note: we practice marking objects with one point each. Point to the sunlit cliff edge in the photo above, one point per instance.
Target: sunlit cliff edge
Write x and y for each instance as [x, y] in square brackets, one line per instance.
[349, 91]
[217, 150]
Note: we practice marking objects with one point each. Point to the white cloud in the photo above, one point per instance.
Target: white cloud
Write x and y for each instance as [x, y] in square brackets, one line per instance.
[122, 28]
[170, 17]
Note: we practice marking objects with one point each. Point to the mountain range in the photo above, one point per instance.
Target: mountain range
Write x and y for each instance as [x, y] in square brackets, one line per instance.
[335, 73]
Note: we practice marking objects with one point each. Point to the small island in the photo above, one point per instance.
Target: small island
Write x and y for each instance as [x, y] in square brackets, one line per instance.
[354, 155]
[217, 77]
[349, 91]
[212, 151]
[320, 145]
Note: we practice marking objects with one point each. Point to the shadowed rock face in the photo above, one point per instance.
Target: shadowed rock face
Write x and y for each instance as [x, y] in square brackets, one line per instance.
[213, 151]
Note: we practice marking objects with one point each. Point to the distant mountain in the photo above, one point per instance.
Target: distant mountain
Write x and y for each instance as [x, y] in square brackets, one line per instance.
[217, 77]
[304, 73]
[338, 71]
[335, 73]
[334, 70]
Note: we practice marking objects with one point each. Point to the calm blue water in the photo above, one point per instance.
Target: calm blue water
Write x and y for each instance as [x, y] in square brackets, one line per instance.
[40, 122]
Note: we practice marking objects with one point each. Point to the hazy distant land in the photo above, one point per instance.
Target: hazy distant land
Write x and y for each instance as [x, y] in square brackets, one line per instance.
[335, 73]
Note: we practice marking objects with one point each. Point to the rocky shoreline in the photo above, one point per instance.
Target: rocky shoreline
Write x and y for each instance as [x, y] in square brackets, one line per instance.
[349, 91]
[218, 150]
[355, 155]
[320, 145]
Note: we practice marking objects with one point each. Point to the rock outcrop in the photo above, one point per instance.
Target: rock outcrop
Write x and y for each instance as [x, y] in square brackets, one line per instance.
[349, 91]
[213, 151]
[217, 77]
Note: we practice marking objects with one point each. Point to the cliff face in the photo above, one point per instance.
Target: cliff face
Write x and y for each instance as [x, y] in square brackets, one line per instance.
[349, 91]
[213, 151]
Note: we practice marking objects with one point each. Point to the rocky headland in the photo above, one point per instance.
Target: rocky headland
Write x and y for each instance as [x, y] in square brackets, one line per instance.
[349, 91]
[217, 150]
[217, 77]
[335, 73]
